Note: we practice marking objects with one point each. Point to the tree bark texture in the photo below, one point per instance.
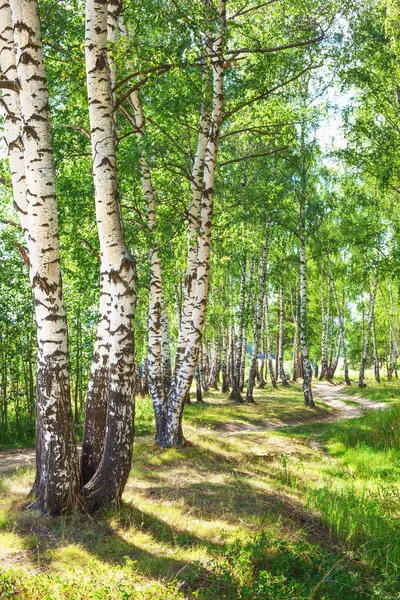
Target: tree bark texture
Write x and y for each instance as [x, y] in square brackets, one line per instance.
[117, 266]
[56, 484]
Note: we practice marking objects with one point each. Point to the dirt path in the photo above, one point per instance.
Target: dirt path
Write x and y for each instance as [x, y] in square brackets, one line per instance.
[325, 392]
[332, 396]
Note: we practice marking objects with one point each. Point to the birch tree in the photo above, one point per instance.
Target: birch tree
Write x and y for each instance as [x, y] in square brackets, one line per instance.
[56, 484]
[117, 267]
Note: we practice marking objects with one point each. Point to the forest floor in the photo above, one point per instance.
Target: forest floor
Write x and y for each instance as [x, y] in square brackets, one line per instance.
[298, 508]
[344, 407]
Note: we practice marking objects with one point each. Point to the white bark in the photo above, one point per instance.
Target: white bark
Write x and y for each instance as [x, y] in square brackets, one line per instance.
[361, 382]
[117, 265]
[258, 317]
[183, 379]
[308, 395]
[268, 337]
[282, 373]
[341, 323]
[11, 113]
[56, 483]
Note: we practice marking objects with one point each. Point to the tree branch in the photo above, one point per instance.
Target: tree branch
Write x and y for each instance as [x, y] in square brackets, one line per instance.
[249, 156]
[242, 11]
[78, 128]
[23, 252]
[90, 247]
[270, 91]
[277, 48]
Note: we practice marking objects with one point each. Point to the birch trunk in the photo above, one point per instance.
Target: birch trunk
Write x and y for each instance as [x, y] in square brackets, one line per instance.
[108, 482]
[237, 355]
[341, 323]
[269, 355]
[98, 388]
[324, 327]
[226, 343]
[57, 483]
[203, 371]
[282, 373]
[182, 380]
[215, 366]
[296, 337]
[243, 362]
[376, 358]
[308, 395]
[361, 382]
[199, 394]
[263, 365]
[258, 318]
[165, 350]
[194, 216]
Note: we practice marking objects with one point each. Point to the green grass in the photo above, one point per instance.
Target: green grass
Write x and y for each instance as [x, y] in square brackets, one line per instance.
[387, 391]
[271, 515]
[273, 407]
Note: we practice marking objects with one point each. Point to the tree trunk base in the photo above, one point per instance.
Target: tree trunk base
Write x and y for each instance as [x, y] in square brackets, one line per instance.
[236, 397]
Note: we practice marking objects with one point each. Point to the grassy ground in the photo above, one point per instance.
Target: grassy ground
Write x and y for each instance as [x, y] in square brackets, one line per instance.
[303, 512]
[386, 391]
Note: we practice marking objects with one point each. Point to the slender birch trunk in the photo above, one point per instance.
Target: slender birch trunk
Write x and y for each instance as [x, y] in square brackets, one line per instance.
[340, 313]
[258, 317]
[324, 327]
[199, 394]
[376, 358]
[56, 484]
[215, 366]
[194, 216]
[165, 350]
[117, 265]
[243, 362]
[263, 365]
[282, 373]
[182, 380]
[308, 395]
[203, 368]
[237, 355]
[269, 355]
[296, 336]
[361, 382]
[226, 343]
[157, 368]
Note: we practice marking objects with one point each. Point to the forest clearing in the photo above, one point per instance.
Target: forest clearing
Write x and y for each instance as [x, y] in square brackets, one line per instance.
[253, 507]
[199, 299]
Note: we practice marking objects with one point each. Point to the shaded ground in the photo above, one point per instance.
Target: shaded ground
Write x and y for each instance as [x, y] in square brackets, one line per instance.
[186, 507]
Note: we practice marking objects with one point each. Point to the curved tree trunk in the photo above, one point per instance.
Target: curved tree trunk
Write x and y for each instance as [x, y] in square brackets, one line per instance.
[56, 484]
[108, 482]
[183, 379]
